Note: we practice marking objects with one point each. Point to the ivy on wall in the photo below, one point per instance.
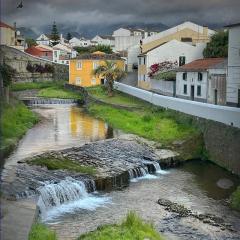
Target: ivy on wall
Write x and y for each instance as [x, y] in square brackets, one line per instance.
[38, 68]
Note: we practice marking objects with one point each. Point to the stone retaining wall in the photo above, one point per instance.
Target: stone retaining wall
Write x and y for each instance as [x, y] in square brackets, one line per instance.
[19, 61]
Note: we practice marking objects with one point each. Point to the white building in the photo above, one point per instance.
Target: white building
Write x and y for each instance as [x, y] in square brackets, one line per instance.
[233, 80]
[203, 80]
[43, 40]
[104, 40]
[62, 53]
[82, 42]
[171, 51]
[132, 57]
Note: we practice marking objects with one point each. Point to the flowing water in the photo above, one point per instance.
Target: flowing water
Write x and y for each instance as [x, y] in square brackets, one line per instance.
[72, 207]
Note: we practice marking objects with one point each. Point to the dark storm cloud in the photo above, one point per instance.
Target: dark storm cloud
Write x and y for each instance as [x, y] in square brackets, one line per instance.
[83, 12]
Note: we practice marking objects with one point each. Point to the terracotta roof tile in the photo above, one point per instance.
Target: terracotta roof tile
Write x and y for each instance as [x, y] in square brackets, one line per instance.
[202, 64]
[4, 25]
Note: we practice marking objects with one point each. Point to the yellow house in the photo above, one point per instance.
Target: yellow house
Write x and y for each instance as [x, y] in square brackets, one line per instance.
[81, 68]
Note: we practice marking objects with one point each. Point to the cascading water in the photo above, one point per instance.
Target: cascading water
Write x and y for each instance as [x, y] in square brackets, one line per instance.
[143, 172]
[67, 196]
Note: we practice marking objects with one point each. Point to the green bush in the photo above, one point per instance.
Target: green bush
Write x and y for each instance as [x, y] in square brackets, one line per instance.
[41, 232]
[235, 199]
[132, 228]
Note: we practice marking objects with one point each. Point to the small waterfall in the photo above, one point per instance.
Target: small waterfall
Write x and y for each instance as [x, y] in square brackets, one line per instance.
[40, 101]
[156, 165]
[138, 172]
[67, 196]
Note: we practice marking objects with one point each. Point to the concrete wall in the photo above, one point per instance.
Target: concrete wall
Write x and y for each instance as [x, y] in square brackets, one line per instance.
[163, 87]
[223, 114]
[7, 36]
[124, 42]
[19, 61]
[233, 81]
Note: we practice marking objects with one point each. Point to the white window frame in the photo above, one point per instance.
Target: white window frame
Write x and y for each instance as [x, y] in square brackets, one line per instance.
[78, 81]
[79, 65]
[95, 64]
[94, 81]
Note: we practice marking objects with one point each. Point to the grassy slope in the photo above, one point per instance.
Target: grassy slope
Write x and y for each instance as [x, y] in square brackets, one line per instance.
[159, 126]
[41, 232]
[56, 164]
[133, 228]
[16, 120]
[235, 200]
[48, 89]
[119, 98]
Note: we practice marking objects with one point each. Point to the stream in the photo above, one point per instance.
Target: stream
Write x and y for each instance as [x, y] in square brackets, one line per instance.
[200, 186]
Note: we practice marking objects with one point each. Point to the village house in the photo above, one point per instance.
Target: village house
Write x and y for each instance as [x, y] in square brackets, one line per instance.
[41, 51]
[174, 51]
[81, 68]
[44, 39]
[187, 32]
[82, 42]
[62, 53]
[127, 37]
[104, 40]
[183, 43]
[11, 37]
[233, 79]
[203, 80]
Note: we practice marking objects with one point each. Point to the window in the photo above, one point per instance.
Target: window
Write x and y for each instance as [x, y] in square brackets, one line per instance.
[55, 54]
[184, 76]
[93, 81]
[199, 91]
[144, 61]
[185, 88]
[78, 81]
[139, 60]
[182, 61]
[144, 78]
[95, 64]
[200, 76]
[186, 39]
[79, 65]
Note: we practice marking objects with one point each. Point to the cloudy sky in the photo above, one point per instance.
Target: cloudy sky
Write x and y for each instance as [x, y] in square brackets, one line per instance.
[36, 14]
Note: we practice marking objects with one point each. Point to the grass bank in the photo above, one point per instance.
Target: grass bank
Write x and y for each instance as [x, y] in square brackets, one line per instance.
[235, 200]
[48, 89]
[41, 232]
[132, 228]
[119, 98]
[62, 164]
[152, 123]
[16, 119]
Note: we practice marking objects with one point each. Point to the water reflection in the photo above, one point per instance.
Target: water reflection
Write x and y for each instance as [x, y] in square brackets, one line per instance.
[62, 126]
[217, 182]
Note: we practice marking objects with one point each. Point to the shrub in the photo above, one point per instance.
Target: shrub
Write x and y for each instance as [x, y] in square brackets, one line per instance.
[7, 73]
[235, 199]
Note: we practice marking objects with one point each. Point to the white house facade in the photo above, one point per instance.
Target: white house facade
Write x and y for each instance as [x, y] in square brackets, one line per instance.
[233, 80]
[203, 80]
[43, 40]
[62, 53]
[104, 40]
[171, 51]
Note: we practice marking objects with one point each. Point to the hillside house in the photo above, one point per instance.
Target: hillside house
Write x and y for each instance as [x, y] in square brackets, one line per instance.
[203, 80]
[81, 68]
[41, 51]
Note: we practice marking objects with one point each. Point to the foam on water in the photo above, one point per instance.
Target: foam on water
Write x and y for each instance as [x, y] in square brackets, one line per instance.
[146, 177]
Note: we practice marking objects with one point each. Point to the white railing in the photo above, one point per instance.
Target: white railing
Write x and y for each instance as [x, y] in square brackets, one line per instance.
[223, 114]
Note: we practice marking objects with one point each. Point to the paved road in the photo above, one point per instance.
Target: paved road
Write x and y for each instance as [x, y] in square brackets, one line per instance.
[131, 79]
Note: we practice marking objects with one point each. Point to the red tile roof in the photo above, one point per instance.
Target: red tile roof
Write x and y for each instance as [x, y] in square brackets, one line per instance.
[202, 64]
[4, 25]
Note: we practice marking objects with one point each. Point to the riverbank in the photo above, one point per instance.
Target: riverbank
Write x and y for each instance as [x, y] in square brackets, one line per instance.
[167, 128]
[16, 119]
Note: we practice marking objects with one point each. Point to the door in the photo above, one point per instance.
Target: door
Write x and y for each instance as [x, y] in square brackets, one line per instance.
[238, 98]
[102, 81]
[192, 92]
[215, 97]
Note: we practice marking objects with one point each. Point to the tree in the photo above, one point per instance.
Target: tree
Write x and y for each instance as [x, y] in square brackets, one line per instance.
[103, 48]
[55, 35]
[69, 36]
[218, 46]
[110, 71]
[30, 42]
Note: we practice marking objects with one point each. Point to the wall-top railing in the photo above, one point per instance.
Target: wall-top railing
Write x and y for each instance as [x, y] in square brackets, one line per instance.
[223, 114]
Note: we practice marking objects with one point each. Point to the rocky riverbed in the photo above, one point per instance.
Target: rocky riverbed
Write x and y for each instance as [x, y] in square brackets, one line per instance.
[116, 161]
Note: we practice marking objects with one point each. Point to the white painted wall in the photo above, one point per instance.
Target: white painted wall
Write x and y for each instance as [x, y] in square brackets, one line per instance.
[132, 56]
[233, 79]
[122, 43]
[223, 114]
[192, 80]
[163, 87]
[122, 32]
[103, 41]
